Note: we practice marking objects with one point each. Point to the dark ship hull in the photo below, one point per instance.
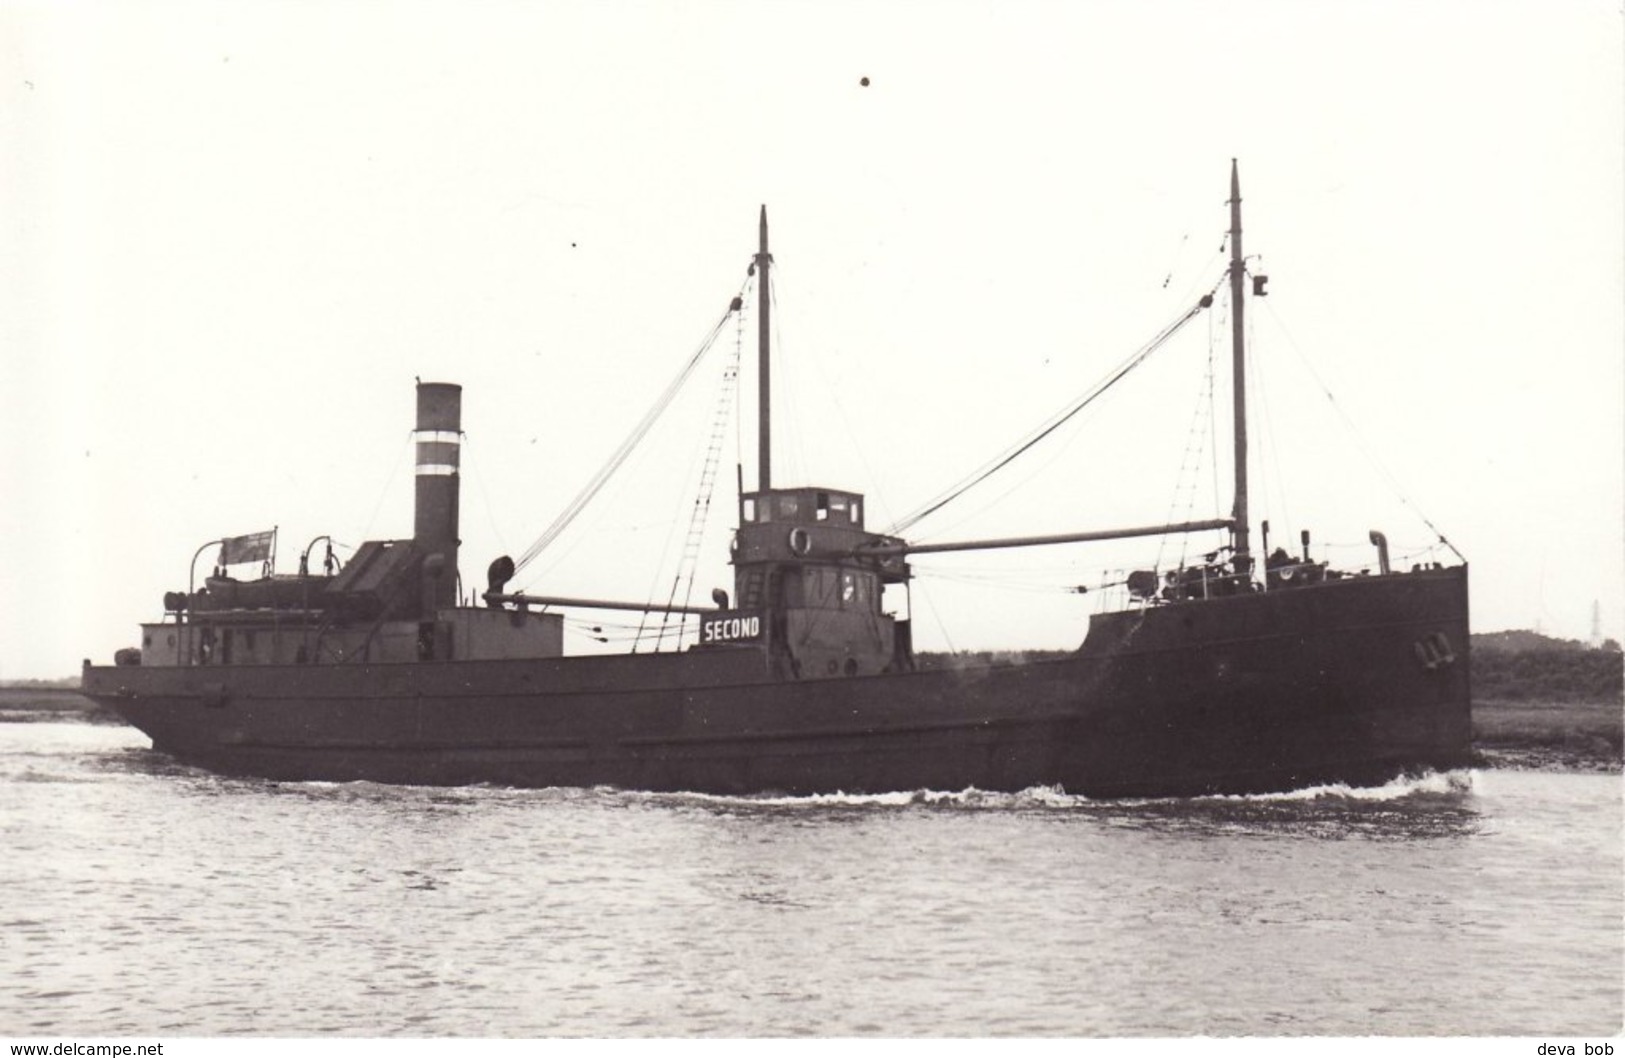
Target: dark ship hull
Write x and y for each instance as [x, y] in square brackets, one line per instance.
[1356, 681]
[803, 681]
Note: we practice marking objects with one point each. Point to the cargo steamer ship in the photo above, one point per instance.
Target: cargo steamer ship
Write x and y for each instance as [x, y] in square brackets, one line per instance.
[1233, 675]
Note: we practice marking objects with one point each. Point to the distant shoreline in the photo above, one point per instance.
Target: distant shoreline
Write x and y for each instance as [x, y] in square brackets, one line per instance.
[32, 703]
[1570, 736]
[1586, 735]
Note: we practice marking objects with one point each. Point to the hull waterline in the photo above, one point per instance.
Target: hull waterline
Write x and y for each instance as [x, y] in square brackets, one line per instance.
[1254, 693]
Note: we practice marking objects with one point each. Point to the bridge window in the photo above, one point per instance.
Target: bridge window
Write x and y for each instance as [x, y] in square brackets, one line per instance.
[789, 507]
[857, 591]
[829, 588]
[818, 585]
[749, 512]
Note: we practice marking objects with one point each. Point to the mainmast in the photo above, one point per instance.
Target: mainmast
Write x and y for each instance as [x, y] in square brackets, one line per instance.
[1238, 352]
[764, 400]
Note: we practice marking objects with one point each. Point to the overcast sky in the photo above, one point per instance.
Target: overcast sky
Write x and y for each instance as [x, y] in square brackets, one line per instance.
[235, 233]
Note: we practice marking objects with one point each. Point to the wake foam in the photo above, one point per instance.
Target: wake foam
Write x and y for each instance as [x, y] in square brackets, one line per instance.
[1429, 784]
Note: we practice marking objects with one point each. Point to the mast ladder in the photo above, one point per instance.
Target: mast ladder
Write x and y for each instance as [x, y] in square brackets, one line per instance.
[688, 562]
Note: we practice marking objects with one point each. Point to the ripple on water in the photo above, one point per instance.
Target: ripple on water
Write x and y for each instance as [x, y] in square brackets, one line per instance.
[1476, 901]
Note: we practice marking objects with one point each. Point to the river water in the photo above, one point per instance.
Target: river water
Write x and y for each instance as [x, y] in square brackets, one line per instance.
[141, 898]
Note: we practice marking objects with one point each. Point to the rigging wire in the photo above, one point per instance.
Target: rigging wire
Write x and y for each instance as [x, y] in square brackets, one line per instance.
[705, 457]
[1057, 420]
[389, 482]
[1213, 320]
[996, 501]
[1190, 466]
[935, 616]
[1212, 418]
[1179, 251]
[1359, 441]
[688, 562]
[620, 454]
[479, 481]
[739, 418]
[1267, 434]
[1191, 289]
[876, 501]
[792, 432]
[659, 566]
[1048, 587]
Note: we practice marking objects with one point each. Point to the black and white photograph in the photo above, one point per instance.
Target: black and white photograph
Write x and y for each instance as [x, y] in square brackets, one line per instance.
[736, 523]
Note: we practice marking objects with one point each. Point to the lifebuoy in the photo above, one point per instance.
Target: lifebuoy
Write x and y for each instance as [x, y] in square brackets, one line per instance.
[800, 541]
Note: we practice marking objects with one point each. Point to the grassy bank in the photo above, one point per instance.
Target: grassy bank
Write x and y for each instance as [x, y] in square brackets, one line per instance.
[20, 703]
[1540, 701]
[1582, 734]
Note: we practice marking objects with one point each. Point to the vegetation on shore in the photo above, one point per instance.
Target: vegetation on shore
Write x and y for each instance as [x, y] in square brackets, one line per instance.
[50, 700]
[1547, 675]
[68, 683]
[1541, 733]
[1539, 700]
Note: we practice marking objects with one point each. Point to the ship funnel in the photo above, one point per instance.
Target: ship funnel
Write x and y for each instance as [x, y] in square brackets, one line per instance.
[439, 441]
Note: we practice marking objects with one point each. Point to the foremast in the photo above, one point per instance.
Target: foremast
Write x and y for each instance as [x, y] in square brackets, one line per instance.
[1242, 558]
